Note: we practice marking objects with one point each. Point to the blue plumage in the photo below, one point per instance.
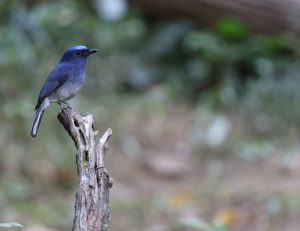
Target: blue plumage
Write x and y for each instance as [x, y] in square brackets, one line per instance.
[64, 82]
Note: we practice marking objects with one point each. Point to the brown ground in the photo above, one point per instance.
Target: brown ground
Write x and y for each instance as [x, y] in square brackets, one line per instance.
[170, 176]
[166, 171]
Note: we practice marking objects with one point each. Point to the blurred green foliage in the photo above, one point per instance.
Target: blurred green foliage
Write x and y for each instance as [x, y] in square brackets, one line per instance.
[135, 53]
[231, 29]
[199, 224]
[10, 225]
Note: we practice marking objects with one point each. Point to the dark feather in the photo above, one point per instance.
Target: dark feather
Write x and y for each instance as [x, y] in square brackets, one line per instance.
[56, 78]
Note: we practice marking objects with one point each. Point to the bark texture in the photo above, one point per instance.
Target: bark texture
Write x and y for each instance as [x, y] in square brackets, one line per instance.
[92, 197]
[266, 16]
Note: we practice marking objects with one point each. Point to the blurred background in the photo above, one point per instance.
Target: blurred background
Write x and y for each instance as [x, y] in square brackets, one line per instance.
[202, 96]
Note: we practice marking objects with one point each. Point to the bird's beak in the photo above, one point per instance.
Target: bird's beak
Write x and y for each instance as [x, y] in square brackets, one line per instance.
[92, 51]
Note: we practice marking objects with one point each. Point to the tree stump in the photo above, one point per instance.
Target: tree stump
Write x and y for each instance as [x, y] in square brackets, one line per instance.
[92, 196]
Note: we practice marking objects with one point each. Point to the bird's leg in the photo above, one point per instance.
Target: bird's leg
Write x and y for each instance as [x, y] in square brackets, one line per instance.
[63, 104]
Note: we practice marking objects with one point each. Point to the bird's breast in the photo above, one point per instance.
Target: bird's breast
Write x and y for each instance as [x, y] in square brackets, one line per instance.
[68, 89]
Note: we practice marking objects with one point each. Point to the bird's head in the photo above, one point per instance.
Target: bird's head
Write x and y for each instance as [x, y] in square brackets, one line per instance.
[77, 54]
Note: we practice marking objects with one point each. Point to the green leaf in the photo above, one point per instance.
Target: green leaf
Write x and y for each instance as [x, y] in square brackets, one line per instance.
[275, 45]
[11, 225]
[231, 29]
[196, 223]
[221, 228]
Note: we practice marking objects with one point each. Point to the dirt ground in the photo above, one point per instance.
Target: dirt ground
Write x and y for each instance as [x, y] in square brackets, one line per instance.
[167, 170]
[174, 167]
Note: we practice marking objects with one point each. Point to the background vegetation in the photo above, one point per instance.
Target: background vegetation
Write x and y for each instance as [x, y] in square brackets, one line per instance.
[205, 120]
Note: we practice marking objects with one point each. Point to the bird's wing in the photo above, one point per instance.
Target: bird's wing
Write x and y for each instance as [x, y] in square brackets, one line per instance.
[56, 78]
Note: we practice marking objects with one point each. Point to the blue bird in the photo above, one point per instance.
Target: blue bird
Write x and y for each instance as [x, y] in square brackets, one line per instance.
[63, 83]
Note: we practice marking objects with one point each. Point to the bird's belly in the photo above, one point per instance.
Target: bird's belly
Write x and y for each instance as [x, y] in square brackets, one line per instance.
[65, 92]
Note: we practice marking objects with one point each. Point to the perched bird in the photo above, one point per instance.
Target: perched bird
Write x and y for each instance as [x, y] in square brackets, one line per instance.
[63, 83]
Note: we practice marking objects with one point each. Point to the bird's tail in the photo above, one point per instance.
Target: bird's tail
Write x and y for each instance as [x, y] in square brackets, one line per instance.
[38, 117]
[37, 122]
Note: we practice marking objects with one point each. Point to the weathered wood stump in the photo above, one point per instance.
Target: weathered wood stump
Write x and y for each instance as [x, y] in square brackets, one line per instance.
[92, 197]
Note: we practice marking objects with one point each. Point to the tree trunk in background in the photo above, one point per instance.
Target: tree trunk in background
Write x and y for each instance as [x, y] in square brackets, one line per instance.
[264, 16]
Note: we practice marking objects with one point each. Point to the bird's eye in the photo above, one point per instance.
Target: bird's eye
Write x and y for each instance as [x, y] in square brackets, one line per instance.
[78, 53]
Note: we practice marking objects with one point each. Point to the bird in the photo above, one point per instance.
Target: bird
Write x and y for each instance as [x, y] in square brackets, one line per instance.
[63, 82]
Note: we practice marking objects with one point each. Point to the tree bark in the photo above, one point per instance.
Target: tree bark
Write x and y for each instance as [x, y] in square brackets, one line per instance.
[92, 196]
[264, 16]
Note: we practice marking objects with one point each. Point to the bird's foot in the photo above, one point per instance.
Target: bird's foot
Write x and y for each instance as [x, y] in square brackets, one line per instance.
[63, 104]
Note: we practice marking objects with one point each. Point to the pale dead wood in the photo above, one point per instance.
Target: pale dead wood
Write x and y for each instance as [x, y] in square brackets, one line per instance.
[92, 197]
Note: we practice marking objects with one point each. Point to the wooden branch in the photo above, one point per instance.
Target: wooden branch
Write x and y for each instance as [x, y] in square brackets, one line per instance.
[92, 197]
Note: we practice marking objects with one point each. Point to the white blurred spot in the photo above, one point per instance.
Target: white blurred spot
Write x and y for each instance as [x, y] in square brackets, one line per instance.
[218, 131]
[131, 146]
[111, 9]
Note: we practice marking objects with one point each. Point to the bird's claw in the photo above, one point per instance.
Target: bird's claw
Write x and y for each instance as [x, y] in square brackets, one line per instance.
[63, 104]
